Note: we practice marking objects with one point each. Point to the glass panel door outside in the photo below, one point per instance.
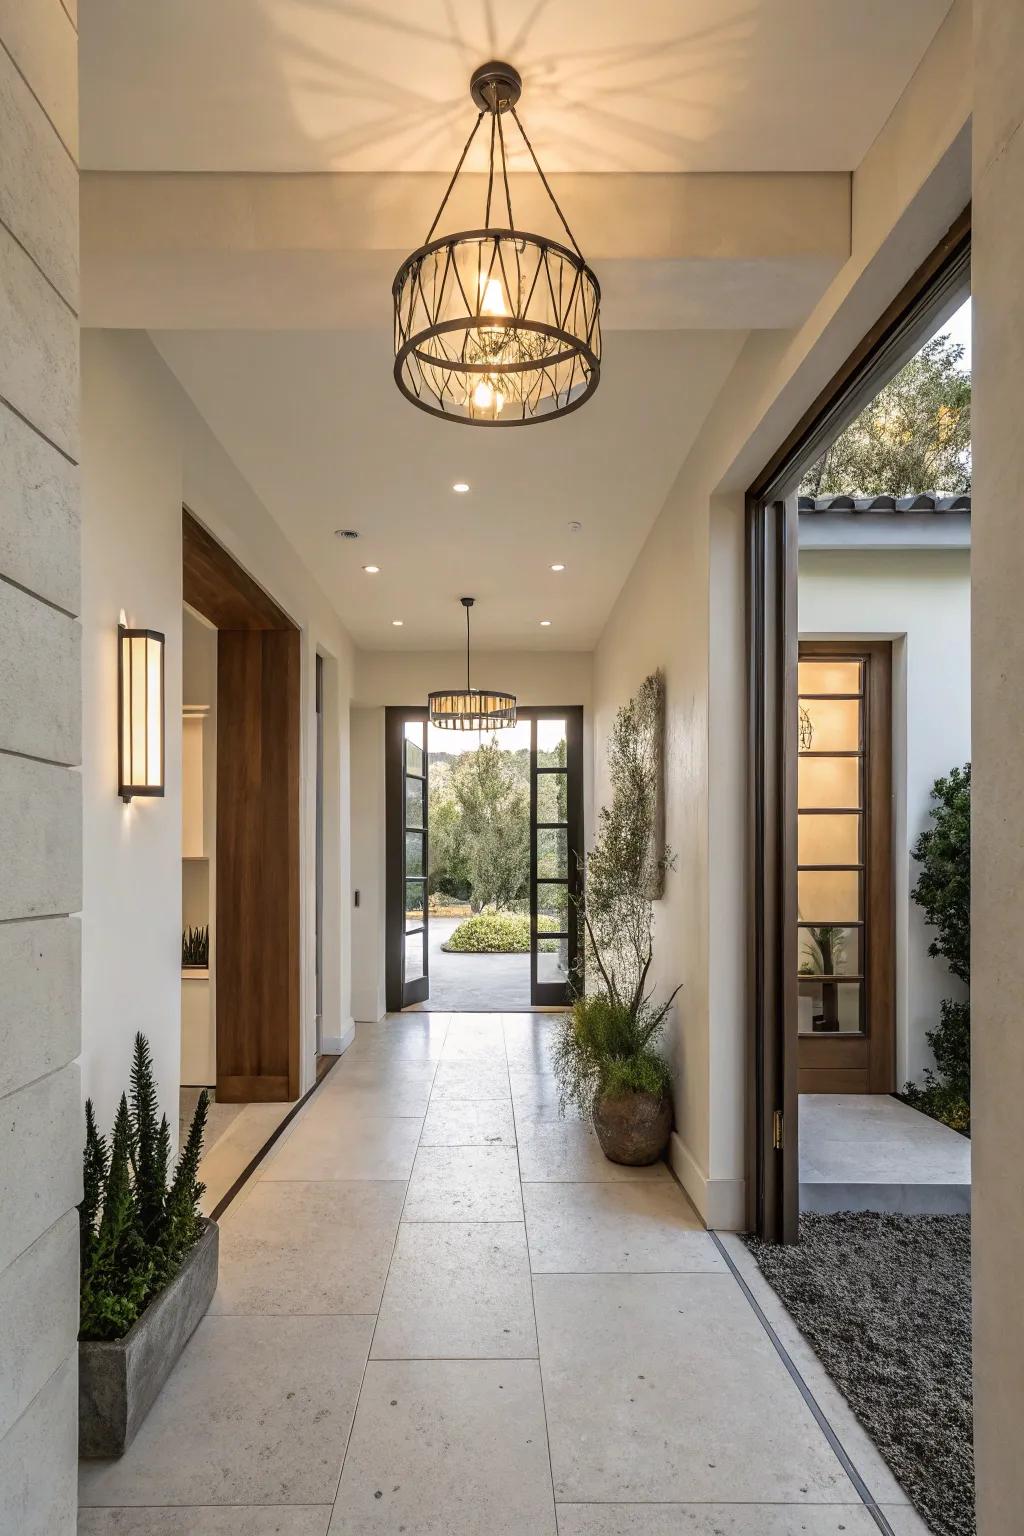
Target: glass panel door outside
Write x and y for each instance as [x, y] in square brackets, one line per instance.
[552, 859]
[415, 980]
[830, 846]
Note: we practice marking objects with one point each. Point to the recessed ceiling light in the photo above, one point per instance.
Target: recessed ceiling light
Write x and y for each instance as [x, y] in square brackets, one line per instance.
[545, 623]
[558, 567]
[461, 487]
[346, 533]
[398, 623]
[372, 570]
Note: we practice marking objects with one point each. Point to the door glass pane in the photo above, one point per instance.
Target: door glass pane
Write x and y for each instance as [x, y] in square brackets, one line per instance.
[828, 950]
[413, 757]
[552, 854]
[828, 781]
[828, 676]
[552, 797]
[414, 853]
[828, 895]
[828, 839]
[551, 744]
[414, 900]
[553, 963]
[830, 725]
[414, 802]
[414, 957]
[553, 902]
[830, 1007]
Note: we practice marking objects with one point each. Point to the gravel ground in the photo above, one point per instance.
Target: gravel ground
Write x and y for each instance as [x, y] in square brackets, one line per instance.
[885, 1302]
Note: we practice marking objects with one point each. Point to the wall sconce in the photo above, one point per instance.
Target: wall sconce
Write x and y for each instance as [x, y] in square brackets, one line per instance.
[140, 720]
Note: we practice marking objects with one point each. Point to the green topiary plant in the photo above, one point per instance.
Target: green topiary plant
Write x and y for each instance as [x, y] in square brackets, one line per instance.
[499, 933]
[943, 892]
[606, 1046]
[134, 1231]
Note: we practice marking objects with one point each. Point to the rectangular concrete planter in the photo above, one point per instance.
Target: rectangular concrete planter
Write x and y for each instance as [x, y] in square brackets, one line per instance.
[119, 1380]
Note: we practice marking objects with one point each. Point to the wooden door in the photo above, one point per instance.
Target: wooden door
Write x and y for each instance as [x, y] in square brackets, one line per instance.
[844, 952]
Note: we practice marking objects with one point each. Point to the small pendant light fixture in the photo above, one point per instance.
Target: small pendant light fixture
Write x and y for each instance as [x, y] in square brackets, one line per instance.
[493, 326]
[471, 709]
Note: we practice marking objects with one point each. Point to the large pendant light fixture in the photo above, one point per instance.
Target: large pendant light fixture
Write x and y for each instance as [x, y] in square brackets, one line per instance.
[493, 326]
[471, 709]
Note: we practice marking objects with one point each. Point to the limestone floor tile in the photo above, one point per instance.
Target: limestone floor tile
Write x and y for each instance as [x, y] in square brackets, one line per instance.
[457, 1290]
[905, 1520]
[568, 1150]
[528, 1039]
[471, 1080]
[447, 1448]
[235, 1149]
[634, 1227]
[464, 1184]
[535, 1097]
[309, 1247]
[257, 1411]
[666, 1389]
[714, 1520]
[469, 1123]
[475, 1037]
[330, 1145]
[279, 1520]
[400, 1098]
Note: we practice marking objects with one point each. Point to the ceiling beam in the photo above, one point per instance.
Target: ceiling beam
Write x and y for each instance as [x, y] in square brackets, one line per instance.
[225, 251]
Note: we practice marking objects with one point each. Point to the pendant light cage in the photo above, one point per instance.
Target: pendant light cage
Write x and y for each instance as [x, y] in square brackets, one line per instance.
[471, 709]
[493, 326]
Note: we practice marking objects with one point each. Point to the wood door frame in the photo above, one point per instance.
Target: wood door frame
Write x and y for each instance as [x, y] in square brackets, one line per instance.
[878, 1044]
[258, 841]
[934, 291]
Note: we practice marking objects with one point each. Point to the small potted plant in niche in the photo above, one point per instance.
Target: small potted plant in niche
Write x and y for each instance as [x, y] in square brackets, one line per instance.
[148, 1266]
[195, 948]
[605, 1054]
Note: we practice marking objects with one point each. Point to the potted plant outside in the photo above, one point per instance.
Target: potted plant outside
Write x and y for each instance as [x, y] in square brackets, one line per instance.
[148, 1262]
[606, 1056]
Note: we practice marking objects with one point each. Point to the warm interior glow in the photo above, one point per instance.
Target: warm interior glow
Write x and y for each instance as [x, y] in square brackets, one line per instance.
[461, 487]
[154, 748]
[486, 400]
[141, 706]
[492, 297]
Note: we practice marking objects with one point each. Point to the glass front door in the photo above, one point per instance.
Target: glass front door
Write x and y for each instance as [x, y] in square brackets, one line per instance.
[556, 814]
[415, 979]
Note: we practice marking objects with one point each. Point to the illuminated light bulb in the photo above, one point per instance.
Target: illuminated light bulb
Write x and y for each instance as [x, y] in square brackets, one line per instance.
[486, 400]
[492, 298]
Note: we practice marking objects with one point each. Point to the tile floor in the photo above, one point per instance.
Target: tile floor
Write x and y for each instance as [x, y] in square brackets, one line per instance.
[442, 1313]
[872, 1152]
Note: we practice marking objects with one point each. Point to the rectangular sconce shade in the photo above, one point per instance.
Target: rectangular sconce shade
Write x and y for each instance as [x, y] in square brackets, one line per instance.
[140, 725]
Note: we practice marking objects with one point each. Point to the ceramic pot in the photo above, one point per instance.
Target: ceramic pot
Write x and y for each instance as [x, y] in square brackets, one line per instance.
[633, 1128]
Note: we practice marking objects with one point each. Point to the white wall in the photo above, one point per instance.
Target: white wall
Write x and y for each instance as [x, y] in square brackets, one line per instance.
[405, 678]
[921, 600]
[40, 787]
[997, 874]
[145, 451]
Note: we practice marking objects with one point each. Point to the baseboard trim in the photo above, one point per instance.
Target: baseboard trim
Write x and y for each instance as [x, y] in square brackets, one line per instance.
[336, 1045]
[720, 1203]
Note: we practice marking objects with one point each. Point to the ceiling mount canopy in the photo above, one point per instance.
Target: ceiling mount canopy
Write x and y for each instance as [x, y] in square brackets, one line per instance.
[493, 326]
[471, 709]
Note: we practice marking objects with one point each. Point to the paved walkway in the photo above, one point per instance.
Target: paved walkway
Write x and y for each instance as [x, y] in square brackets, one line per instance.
[871, 1152]
[473, 983]
[441, 1312]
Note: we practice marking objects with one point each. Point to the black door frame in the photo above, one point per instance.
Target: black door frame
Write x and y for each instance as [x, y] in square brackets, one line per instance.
[936, 289]
[395, 716]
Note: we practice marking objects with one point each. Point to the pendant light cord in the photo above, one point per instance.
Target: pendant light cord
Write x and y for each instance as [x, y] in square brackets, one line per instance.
[468, 689]
[547, 188]
[455, 177]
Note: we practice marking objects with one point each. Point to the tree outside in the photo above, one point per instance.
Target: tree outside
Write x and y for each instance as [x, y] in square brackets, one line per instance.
[913, 438]
[480, 826]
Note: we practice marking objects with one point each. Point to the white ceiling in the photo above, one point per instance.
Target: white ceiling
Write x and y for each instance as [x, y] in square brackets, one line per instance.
[381, 85]
[316, 425]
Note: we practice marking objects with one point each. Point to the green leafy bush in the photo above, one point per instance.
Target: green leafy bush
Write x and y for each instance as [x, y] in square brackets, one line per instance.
[135, 1227]
[943, 892]
[499, 933]
[603, 1048]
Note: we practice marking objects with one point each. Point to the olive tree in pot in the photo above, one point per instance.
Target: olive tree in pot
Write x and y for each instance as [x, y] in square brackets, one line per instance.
[605, 1053]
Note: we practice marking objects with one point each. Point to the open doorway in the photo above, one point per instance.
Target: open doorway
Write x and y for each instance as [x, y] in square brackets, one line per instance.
[240, 857]
[483, 838]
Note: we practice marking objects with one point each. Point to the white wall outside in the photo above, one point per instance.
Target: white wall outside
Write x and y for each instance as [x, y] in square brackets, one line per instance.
[920, 599]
